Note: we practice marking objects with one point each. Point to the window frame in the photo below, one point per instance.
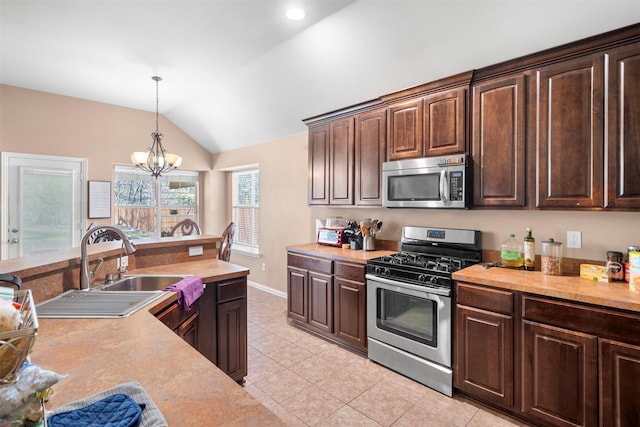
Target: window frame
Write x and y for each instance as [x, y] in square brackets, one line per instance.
[239, 246]
[173, 176]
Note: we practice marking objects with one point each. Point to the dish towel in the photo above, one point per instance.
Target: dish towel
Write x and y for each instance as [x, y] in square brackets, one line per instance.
[189, 290]
[151, 415]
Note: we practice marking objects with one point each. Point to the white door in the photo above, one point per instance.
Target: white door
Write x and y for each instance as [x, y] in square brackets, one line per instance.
[42, 204]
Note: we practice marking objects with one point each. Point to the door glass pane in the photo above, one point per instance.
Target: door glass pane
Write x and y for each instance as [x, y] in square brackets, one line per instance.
[47, 210]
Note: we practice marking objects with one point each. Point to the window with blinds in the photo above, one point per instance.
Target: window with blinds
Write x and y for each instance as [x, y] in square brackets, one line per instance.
[245, 196]
[148, 208]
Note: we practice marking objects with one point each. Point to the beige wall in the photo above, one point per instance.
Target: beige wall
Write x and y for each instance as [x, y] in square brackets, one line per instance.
[284, 215]
[36, 122]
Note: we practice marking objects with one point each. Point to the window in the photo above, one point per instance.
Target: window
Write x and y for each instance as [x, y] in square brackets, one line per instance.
[245, 198]
[148, 208]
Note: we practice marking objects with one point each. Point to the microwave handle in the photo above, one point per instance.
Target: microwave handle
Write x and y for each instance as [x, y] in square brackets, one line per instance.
[444, 187]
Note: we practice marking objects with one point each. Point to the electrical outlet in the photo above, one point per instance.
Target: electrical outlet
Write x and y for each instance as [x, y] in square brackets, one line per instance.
[195, 250]
[574, 239]
[264, 267]
[125, 262]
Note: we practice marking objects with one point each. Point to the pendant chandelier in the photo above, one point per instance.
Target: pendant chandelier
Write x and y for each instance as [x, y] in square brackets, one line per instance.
[156, 160]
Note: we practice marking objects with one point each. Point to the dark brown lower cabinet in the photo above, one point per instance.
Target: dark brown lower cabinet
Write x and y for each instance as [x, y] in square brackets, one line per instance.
[549, 361]
[216, 325]
[328, 298]
[232, 338]
[559, 375]
[484, 353]
[619, 384]
[350, 306]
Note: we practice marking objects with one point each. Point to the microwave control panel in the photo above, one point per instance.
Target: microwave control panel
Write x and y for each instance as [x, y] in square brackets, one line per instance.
[456, 186]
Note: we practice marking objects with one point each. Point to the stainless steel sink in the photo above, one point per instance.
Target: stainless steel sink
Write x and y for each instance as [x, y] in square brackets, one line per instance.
[110, 300]
[147, 282]
[95, 304]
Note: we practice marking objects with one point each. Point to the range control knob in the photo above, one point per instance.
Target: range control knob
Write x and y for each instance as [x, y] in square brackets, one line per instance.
[423, 278]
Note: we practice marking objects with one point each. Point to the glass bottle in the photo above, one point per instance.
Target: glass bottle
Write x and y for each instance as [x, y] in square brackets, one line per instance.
[529, 251]
[511, 252]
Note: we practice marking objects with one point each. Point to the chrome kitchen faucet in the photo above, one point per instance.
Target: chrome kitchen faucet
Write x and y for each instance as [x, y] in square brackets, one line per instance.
[86, 275]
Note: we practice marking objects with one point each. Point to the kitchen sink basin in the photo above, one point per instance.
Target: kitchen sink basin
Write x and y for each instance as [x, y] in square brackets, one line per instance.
[95, 304]
[147, 282]
[110, 300]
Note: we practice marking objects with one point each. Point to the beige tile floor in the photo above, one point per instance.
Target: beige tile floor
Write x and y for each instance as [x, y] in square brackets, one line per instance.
[308, 381]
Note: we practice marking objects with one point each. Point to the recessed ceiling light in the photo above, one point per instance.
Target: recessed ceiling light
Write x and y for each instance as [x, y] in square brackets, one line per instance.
[295, 14]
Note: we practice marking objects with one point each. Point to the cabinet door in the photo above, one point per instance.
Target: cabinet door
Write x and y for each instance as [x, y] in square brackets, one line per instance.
[350, 312]
[559, 375]
[297, 294]
[570, 133]
[207, 324]
[341, 162]
[624, 128]
[232, 338]
[188, 330]
[319, 165]
[484, 355]
[405, 130]
[498, 143]
[445, 123]
[619, 384]
[371, 148]
[320, 302]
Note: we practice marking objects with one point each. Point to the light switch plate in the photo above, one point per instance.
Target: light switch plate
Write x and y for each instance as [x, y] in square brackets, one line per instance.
[125, 262]
[195, 251]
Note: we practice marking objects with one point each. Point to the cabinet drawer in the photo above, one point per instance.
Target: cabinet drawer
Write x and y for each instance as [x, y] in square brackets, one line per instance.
[234, 289]
[592, 320]
[349, 271]
[173, 316]
[310, 263]
[496, 300]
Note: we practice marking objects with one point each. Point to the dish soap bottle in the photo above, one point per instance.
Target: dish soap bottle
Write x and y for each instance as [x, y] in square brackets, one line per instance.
[529, 251]
[511, 252]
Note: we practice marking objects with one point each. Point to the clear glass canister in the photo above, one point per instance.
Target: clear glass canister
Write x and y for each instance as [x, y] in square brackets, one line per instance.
[511, 252]
[551, 260]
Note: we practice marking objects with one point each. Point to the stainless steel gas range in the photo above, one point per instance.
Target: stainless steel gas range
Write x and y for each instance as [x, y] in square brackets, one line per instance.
[409, 303]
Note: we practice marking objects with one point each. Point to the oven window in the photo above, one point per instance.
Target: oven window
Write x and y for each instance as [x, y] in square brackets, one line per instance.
[407, 316]
[414, 187]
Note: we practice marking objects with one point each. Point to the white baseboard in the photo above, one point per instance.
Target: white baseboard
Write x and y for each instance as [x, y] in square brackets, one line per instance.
[267, 289]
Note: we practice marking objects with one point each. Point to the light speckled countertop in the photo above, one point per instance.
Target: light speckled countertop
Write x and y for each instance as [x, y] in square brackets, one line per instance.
[189, 390]
[572, 288]
[331, 252]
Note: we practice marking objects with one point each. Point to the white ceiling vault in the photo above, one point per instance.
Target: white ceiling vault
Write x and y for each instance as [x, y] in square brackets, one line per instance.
[238, 72]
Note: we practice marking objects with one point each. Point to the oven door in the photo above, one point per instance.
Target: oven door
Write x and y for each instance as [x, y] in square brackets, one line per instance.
[410, 317]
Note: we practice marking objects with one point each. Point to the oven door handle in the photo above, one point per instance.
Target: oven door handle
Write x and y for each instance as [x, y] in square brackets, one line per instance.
[394, 284]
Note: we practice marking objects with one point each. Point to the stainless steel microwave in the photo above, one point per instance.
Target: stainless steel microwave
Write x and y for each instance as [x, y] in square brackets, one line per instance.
[428, 182]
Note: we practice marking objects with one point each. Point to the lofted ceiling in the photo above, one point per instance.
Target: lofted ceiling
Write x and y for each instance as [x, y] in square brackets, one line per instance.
[238, 72]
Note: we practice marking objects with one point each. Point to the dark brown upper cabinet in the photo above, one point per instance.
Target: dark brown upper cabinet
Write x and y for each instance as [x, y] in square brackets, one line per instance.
[319, 164]
[405, 130]
[571, 133]
[428, 120]
[498, 142]
[623, 175]
[331, 162]
[370, 147]
[445, 122]
[341, 161]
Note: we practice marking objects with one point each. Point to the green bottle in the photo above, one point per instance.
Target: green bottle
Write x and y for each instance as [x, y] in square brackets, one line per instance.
[529, 251]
